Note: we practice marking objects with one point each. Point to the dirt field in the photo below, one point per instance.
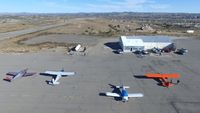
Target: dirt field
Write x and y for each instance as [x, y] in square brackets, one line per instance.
[83, 27]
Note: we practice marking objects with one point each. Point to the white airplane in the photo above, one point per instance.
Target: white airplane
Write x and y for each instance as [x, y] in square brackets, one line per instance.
[57, 75]
[14, 75]
[124, 95]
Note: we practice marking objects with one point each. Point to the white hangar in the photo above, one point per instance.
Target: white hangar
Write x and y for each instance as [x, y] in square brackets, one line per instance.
[133, 43]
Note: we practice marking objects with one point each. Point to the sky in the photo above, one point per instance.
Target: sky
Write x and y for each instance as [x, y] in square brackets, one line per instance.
[76, 6]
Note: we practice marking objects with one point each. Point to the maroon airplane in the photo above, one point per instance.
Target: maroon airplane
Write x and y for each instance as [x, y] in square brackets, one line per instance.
[14, 75]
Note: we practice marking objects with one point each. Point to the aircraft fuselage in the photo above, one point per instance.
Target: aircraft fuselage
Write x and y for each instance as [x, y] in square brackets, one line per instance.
[124, 95]
[20, 74]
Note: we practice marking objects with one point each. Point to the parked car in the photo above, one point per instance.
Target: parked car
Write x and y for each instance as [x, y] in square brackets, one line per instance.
[145, 52]
[119, 51]
[182, 51]
[169, 48]
[141, 53]
[157, 51]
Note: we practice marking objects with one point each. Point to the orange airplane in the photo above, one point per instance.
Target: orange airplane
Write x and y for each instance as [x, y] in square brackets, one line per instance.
[164, 78]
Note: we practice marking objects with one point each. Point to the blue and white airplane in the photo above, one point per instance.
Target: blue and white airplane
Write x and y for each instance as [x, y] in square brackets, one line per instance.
[56, 75]
[124, 95]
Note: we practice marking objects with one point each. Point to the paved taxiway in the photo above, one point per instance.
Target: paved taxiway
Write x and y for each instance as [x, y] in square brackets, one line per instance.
[101, 67]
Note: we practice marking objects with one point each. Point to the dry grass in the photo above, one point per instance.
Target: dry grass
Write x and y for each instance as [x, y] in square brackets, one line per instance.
[15, 45]
[8, 27]
[85, 26]
[114, 28]
[98, 27]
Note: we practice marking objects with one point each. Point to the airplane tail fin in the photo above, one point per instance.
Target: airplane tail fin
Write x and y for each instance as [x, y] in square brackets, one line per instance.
[25, 70]
[62, 70]
[118, 86]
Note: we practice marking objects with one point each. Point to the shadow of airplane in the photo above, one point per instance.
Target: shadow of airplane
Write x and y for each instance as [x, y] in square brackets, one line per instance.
[49, 75]
[159, 82]
[115, 90]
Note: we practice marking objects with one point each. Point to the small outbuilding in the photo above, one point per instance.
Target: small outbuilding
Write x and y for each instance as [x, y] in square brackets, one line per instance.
[134, 43]
[190, 31]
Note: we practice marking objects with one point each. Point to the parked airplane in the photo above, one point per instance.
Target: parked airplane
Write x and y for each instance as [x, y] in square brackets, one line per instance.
[14, 75]
[123, 94]
[57, 75]
[163, 78]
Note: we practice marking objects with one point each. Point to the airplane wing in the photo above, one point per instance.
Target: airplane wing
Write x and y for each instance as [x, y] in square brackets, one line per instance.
[158, 75]
[29, 74]
[60, 73]
[135, 95]
[112, 94]
[67, 73]
[12, 73]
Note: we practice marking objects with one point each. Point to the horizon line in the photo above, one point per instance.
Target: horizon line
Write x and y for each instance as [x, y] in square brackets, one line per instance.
[96, 12]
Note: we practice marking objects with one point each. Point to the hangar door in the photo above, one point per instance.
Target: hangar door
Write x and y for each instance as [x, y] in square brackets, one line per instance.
[134, 48]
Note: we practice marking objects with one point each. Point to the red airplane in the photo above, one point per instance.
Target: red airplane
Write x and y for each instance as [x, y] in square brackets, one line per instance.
[164, 78]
